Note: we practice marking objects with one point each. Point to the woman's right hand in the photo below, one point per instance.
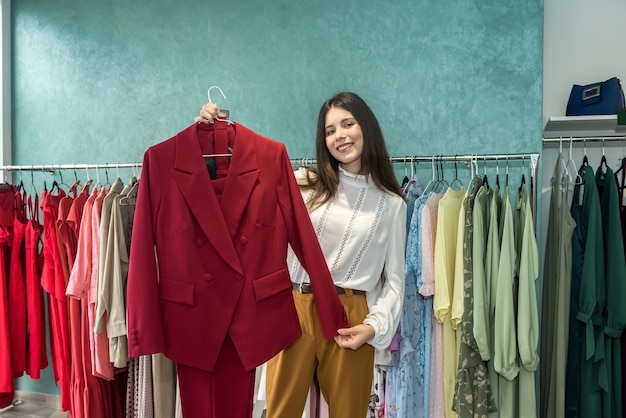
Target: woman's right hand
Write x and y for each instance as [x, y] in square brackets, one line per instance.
[208, 113]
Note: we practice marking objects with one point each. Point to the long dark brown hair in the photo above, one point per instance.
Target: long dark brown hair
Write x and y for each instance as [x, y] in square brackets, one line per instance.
[374, 161]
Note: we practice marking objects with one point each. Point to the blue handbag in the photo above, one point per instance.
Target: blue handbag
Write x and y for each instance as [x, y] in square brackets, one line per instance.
[603, 98]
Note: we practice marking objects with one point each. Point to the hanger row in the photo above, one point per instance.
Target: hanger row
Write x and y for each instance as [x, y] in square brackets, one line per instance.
[468, 158]
[584, 139]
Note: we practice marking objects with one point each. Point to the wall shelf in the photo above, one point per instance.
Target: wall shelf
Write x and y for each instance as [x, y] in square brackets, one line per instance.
[583, 127]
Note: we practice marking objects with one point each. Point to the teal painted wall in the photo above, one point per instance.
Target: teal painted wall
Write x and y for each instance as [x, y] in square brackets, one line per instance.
[99, 82]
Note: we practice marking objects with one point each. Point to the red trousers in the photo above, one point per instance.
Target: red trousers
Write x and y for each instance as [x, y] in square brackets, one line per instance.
[226, 392]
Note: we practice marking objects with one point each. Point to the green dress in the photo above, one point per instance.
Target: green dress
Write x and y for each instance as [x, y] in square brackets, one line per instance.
[614, 315]
[472, 397]
[591, 296]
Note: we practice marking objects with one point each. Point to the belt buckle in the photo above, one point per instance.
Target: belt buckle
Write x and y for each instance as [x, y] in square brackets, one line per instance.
[304, 287]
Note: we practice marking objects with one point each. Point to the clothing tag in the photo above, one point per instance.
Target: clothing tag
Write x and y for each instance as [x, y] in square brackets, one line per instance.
[210, 165]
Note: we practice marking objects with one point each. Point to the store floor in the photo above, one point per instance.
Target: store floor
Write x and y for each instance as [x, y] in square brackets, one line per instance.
[32, 405]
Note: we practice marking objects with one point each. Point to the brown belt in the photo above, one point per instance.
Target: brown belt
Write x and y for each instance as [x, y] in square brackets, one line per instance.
[306, 288]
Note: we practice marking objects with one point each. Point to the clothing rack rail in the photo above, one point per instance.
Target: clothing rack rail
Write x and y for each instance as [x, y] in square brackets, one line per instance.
[584, 139]
[57, 167]
[532, 157]
[467, 158]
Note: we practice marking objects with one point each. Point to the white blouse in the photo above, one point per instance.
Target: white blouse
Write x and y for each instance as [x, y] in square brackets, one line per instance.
[362, 232]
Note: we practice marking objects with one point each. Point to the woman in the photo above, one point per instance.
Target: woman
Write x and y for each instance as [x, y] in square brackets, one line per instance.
[359, 215]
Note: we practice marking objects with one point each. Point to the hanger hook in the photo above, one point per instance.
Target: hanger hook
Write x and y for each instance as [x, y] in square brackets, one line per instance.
[215, 87]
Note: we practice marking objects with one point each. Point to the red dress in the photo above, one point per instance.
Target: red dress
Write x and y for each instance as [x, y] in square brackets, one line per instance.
[52, 274]
[6, 226]
[90, 389]
[37, 358]
[67, 252]
[17, 289]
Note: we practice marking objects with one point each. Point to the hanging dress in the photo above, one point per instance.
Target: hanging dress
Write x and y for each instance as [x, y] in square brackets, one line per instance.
[37, 358]
[505, 339]
[527, 312]
[17, 289]
[620, 177]
[6, 226]
[583, 397]
[445, 258]
[473, 397]
[57, 305]
[614, 316]
[556, 296]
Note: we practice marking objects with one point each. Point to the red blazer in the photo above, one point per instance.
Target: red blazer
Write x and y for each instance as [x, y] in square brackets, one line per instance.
[204, 264]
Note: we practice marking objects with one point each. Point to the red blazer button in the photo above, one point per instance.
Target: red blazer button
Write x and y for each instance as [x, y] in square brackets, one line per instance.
[243, 240]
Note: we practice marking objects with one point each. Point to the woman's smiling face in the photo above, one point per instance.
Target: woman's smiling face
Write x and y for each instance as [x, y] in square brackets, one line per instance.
[344, 139]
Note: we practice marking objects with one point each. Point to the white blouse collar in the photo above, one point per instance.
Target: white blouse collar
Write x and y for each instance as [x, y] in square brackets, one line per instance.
[360, 178]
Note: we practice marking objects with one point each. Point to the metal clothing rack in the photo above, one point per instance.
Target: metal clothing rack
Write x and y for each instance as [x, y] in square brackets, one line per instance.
[565, 140]
[57, 167]
[467, 158]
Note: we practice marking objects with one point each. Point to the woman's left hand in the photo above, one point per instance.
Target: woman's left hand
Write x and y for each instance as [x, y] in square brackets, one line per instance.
[354, 337]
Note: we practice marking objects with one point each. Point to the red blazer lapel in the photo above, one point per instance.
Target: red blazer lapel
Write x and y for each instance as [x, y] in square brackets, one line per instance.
[192, 178]
[242, 176]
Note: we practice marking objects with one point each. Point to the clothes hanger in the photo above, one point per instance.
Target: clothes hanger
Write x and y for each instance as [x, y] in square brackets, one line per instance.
[226, 113]
[130, 198]
[456, 175]
[432, 181]
[473, 170]
[72, 189]
[585, 159]
[97, 184]
[62, 183]
[107, 184]
[621, 159]
[32, 183]
[485, 179]
[497, 173]
[405, 179]
[570, 161]
[622, 167]
[441, 181]
[85, 188]
[603, 165]
[565, 178]
[523, 182]
[506, 179]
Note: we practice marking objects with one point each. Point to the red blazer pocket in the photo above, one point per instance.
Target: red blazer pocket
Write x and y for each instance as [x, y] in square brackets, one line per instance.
[175, 291]
[272, 284]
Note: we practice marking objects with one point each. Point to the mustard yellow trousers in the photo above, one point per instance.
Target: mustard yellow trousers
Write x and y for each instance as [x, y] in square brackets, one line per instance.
[344, 375]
